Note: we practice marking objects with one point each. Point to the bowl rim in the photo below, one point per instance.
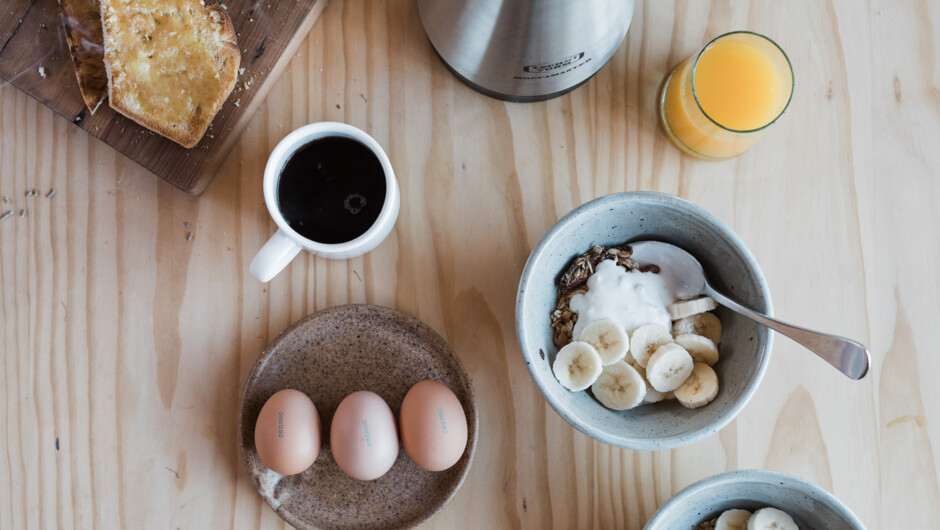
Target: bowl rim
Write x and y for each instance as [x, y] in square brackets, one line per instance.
[626, 441]
[761, 476]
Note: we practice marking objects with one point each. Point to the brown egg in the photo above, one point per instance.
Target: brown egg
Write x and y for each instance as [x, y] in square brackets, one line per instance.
[363, 437]
[287, 433]
[433, 426]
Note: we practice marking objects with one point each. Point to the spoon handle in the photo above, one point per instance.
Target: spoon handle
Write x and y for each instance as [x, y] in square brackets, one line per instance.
[852, 358]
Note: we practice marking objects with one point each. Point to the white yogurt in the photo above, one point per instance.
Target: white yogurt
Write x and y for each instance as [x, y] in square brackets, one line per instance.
[631, 299]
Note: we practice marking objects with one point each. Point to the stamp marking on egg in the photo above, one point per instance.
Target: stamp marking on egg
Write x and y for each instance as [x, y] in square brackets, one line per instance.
[280, 424]
[365, 430]
[440, 416]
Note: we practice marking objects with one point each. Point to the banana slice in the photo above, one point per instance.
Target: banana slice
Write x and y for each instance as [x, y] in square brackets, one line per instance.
[646, 339]
[619, 387]
[669, 367]
[693, 306]
[577, 366]
[702, 349]
[771, 519]
[700, 388]
[704, 324]
[652, 395]
[609, 339]
[733, 520]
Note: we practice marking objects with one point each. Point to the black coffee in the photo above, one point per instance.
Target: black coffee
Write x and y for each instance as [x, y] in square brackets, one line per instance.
[331, 190]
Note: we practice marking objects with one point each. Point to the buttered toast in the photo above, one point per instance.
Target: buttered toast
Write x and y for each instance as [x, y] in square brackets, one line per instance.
[170, 63]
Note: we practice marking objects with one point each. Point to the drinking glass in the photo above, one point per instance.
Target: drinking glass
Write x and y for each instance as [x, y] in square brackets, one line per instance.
[717, 104]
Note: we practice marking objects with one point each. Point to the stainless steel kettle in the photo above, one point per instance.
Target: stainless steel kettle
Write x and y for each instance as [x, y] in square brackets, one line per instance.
[525, 50]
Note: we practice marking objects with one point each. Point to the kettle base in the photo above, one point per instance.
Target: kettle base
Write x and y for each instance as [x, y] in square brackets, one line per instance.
[512, 98]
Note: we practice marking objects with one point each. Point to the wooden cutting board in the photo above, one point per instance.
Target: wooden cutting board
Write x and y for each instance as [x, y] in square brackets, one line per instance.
[34, 57]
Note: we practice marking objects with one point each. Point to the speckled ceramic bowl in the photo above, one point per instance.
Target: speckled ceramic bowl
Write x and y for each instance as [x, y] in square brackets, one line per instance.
[808, 504]
[329, 355]
[635, 216]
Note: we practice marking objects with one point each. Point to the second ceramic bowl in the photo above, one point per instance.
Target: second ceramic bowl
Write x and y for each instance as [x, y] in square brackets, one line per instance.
[808, 504]
[636, 216]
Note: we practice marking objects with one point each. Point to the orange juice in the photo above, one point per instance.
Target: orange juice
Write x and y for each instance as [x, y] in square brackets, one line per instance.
[717, 104]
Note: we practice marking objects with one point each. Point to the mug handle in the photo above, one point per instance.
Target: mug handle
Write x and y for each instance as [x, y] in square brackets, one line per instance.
[274, 256]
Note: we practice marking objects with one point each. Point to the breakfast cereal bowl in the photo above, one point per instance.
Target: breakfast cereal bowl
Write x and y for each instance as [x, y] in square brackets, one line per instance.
[809, 505]
[636, 216]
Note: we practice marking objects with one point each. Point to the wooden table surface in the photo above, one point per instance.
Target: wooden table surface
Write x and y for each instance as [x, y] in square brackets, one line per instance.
[125, 346]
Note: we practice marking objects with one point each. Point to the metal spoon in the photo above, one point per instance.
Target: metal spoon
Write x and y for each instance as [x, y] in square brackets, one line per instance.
[850, 357]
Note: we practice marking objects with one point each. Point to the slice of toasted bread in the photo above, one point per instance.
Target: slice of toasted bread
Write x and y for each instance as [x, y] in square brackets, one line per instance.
[171, 64]
[82, 23]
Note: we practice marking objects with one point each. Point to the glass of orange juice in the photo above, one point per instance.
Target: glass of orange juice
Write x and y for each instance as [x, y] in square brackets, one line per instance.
[717, 104]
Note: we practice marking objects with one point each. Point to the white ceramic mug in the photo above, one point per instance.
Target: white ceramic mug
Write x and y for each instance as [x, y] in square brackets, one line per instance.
[286, 243]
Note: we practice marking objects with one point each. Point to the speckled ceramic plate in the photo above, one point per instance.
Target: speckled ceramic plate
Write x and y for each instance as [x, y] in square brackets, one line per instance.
[329, 355]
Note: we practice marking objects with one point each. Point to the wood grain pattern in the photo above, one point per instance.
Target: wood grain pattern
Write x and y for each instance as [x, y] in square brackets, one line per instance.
[34, 56]
[124, 347]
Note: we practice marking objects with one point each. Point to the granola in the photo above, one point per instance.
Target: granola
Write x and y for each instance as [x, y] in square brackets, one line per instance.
[707, 525]
[574, 281]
